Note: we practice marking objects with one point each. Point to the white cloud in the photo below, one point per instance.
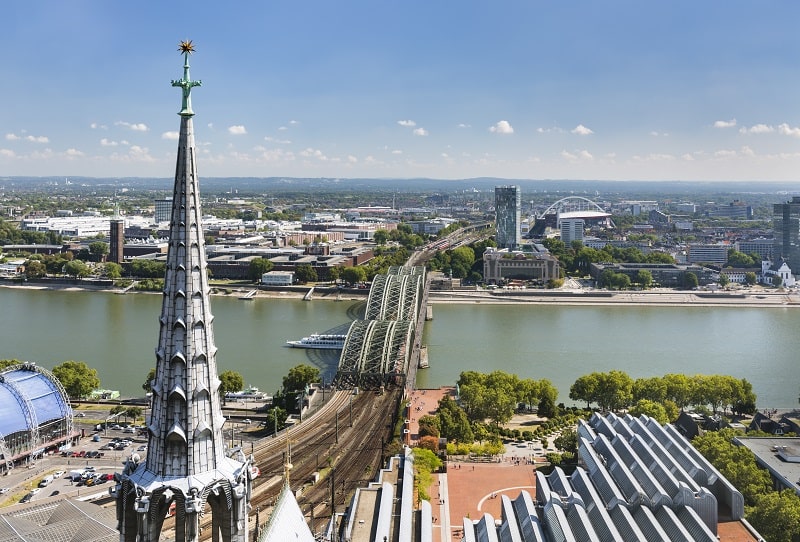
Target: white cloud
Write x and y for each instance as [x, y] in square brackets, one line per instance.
[582, 130]
[37, 139]
[95, 126]
[293, 122]
[659, 134]
[172, 136]
[785, 129]
[688, 157]
[555, 129]
[747, 151]
[7, 153]
[278, 141]
[583, 155]
[314, 153]
[725, 154]
[397, 151]
[502, 127]
[725, 123]
[136, 127]
[352, 159]
[210, 125]
[407, 123]
[108, 143]
[462, 125]
[237, 129]
[73, 153]
[757, 129]
[420, 131]
[12, 137]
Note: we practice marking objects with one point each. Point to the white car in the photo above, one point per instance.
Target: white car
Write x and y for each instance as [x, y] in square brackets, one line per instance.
[58, 473]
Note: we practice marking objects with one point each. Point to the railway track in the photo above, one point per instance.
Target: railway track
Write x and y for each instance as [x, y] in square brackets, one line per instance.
[354, 451]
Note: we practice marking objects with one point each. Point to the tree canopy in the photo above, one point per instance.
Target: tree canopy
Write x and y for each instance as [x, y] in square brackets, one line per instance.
[77, 378]
[230, 381]
[257, 267]
[616, 390]
[495, 396]
[299, 377]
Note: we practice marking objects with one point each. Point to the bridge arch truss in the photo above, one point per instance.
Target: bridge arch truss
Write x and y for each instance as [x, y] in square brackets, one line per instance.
[378, 350]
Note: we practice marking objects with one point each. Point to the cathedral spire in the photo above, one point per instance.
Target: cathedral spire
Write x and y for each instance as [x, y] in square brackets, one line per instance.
[187, 465]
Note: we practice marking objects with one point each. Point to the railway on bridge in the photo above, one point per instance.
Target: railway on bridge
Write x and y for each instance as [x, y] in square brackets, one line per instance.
[383, 349]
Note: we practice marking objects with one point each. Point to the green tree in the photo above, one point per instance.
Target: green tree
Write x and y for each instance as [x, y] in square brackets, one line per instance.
[585, 389]
[740, 259]
[334, 273]
[380, 237]
[113, 270]
[35, 269]
[777, 281]
[299, 377]
[724, 280]
[750, 278]
[134, 413]
[6, 363]
[230, 381]
[257, 267]
[76, 268]
[736, 463]
[644, 278]
[276, 417]
[567, 441]
[776, 516]
[690, 280]
[98, 250]
[650, 408]
[453, 422]
[429, 426]
[354, 275]
[77, 378]
[148, 381]
[305, 273]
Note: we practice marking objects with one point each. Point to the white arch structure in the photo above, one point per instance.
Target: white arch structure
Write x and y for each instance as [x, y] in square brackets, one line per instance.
[559, 204]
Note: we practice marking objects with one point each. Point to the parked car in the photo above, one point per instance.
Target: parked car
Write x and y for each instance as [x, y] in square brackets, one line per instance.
[26, 498]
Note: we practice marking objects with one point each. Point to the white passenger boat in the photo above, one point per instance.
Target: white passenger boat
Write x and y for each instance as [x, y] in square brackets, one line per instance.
[323, 341]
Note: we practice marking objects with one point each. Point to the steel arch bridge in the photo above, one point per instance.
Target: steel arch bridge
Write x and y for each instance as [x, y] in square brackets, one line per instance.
[378, 350]
[572, 203]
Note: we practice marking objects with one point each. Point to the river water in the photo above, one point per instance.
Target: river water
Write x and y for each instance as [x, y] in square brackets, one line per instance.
[117, 335]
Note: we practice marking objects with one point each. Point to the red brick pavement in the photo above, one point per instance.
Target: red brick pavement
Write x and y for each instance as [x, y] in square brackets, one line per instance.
[470, 488]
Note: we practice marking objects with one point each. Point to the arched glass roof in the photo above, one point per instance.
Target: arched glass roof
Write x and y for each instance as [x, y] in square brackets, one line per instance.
[27, 388]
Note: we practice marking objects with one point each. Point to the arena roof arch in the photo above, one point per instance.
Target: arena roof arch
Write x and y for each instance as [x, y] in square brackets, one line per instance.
[34, 411]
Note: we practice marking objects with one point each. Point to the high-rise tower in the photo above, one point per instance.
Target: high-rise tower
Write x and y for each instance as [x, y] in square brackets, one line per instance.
[508, 206]
[187, 463]
[116, 243]
[786, 223]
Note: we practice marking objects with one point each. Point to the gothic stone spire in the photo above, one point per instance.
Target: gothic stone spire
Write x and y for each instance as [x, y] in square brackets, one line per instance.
[186, 459]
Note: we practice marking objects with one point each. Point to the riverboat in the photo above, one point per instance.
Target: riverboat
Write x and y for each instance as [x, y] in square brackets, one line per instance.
[250, 394]
[322, 341]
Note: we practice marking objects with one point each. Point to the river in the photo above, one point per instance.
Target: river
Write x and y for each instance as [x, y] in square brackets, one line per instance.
[117, 335]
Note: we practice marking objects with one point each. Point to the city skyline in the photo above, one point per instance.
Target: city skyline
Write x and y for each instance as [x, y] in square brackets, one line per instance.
[521, 90]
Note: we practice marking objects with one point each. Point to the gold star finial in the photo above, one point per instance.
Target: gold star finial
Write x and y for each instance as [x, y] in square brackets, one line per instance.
[186, 47]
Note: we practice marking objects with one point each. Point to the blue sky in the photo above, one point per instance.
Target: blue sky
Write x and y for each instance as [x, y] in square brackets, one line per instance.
[626, 90]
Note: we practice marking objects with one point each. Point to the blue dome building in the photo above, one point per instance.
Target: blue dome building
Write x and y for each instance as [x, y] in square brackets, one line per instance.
[35, 413]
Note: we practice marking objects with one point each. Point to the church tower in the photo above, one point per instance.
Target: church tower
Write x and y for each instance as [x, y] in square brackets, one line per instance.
[188, 470]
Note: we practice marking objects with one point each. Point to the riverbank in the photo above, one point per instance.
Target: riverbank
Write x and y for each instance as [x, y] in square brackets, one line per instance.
[665, 298]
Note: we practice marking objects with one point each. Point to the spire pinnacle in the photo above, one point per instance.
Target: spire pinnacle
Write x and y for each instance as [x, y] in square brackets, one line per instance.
[186, 47]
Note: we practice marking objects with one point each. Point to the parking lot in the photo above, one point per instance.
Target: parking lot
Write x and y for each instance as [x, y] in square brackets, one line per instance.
[84, 469]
